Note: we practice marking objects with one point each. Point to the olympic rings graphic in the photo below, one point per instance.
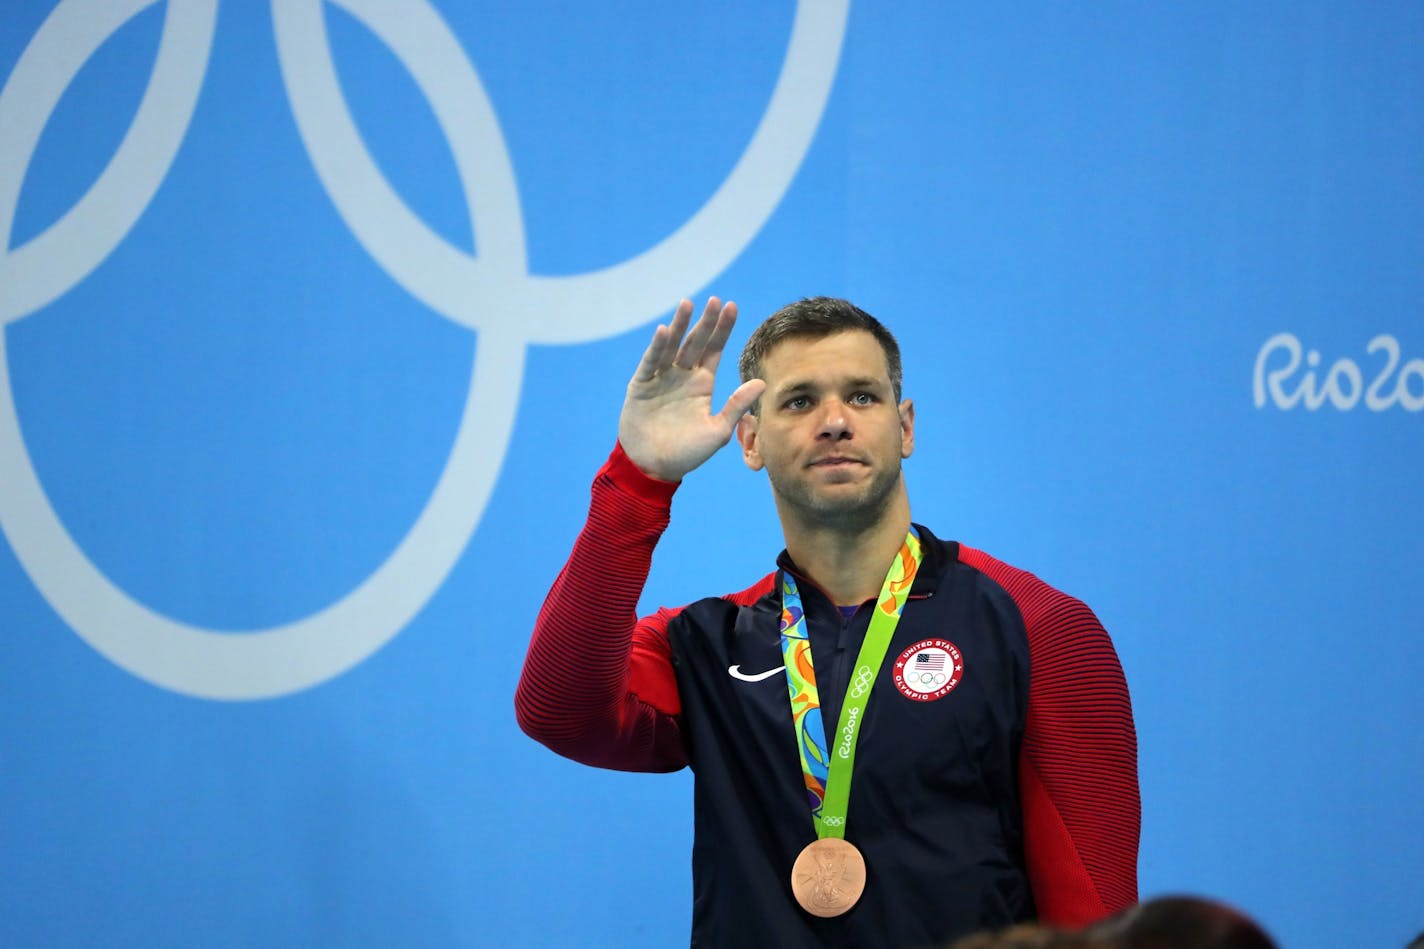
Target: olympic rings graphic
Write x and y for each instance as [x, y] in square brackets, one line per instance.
[864, 677]
[469, 290]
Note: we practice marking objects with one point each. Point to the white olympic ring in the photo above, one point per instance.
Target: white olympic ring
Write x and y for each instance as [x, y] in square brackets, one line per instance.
[494, 294]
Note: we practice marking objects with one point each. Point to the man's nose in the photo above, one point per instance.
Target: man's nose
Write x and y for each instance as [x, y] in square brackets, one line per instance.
[835, 422]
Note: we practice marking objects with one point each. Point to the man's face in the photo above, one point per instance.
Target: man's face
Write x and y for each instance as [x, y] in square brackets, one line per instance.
[829, 433]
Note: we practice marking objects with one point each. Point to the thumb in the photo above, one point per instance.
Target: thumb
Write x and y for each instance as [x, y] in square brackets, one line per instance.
[740, 401]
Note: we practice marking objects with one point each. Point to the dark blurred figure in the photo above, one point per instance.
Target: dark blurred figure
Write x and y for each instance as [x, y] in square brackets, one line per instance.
[1031, 936]
[1182, 922]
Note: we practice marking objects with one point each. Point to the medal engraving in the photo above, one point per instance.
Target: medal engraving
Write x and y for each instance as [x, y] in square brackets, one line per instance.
[828, 877]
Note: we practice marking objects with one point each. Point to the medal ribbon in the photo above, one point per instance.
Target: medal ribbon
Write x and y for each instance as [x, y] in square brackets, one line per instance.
[827, 771]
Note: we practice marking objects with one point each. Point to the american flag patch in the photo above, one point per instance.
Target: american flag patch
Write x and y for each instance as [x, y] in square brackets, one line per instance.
[930, 661]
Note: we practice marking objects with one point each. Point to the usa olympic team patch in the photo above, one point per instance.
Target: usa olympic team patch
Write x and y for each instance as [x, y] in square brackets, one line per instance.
[929, 670]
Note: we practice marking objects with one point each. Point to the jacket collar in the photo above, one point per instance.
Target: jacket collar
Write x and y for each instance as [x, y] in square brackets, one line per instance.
[939, 555]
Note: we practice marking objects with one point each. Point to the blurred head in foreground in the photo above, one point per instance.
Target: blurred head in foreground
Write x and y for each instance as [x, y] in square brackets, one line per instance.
[1031, 936]
[1182, 922]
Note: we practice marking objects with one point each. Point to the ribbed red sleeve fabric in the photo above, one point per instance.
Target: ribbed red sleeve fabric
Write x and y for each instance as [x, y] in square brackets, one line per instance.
[1078, 766]
[598, 685]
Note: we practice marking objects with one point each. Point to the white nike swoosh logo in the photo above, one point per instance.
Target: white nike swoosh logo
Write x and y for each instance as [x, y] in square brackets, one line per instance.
[736, 673]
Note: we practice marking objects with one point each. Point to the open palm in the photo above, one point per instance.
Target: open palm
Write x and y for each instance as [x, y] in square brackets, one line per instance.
[667, 427]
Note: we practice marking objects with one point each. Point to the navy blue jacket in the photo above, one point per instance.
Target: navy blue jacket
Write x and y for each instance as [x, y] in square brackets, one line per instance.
[934, 805]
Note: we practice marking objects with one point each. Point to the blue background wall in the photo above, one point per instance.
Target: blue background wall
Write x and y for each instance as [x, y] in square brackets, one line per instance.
[246, 701]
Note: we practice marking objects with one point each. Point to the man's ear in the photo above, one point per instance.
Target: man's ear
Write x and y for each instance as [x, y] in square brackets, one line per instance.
[747, 437]
[907, 428]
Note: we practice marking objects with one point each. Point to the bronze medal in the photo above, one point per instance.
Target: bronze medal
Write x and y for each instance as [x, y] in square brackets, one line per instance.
[828, 877]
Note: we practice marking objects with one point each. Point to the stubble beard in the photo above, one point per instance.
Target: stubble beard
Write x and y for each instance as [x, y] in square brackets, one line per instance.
[848, 512]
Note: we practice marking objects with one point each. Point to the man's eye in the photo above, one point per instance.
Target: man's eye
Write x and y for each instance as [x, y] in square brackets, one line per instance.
[862, 398]
[799, 402]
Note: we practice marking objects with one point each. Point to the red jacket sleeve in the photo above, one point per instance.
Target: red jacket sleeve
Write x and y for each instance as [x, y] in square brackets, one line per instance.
[598, 684]
[1078, 764]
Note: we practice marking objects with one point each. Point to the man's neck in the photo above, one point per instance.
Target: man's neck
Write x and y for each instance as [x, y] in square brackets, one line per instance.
[849, 564]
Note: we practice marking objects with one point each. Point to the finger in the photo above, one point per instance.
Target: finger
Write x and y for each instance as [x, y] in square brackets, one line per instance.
[726, 320]
[680, 318]
[658, 356]
[691, 352]
[740, 401]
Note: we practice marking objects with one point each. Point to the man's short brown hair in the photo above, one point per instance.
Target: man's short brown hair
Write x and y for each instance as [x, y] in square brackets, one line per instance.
[816, 318]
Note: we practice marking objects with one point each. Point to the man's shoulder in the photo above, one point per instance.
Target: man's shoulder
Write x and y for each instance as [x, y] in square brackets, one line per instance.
[1000, 570]
[714, 609]
[747, 597]
[753, 593]
[1058, 625]
[1037, 600]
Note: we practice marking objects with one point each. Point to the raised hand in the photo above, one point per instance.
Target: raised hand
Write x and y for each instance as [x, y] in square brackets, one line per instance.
[667, 427]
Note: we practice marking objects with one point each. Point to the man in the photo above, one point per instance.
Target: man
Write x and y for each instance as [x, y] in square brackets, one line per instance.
[896, 739]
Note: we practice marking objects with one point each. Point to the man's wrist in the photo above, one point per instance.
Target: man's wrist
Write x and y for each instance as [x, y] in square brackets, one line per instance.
[626, 474]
